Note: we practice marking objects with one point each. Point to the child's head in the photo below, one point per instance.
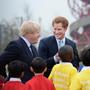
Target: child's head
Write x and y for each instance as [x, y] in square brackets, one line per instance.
[38, 65]
[16, 68]
[85, 55]
[66, 53]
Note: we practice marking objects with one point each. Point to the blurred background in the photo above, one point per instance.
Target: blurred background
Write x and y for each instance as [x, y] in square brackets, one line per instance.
[14, 12]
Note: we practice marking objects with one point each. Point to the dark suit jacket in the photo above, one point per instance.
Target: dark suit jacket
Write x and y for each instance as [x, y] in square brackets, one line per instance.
[18, 49]
[48, 48]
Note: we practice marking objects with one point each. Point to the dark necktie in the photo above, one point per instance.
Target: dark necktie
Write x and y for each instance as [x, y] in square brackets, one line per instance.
[33, 51]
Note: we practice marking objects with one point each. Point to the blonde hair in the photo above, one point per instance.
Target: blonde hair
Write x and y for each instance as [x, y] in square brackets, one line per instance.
[29, 27]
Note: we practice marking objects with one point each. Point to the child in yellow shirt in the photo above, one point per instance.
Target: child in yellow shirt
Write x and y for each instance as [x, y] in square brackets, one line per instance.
[82, 80]
[63, 72]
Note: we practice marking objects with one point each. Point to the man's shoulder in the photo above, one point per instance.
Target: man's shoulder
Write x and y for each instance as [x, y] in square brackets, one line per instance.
[69, 41]
[15, 43]
[49, 38]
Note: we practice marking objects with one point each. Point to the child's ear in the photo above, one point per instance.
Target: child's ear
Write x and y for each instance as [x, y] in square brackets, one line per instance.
[45, 69]
[31, 69]
[22, 74]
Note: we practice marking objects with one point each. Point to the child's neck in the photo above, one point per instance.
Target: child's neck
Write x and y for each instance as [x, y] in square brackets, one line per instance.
[64, 62]
[38, 73]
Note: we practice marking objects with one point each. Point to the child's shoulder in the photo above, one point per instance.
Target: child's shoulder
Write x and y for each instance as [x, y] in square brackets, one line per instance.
[56, 65]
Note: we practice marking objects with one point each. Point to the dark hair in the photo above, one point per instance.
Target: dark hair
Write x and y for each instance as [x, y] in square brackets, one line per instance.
[62, 20]
[85, 55]
[15, 68]
[38, 64]
[66, 53]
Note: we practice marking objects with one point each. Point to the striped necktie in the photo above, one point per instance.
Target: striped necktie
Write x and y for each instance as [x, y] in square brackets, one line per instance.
[60, 44]
[33, 51]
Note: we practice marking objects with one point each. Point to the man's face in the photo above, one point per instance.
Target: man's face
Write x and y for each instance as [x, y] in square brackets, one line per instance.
[59, 30]
[33, 38]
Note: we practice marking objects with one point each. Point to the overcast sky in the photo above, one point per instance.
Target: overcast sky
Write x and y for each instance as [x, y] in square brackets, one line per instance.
[46, 9]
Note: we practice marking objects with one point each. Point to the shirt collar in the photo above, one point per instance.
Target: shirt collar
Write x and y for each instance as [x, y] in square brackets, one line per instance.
[26, 41]
[60, 42]
[85, 68]
[15, 79]
[64, 62]
[63, 40]
[38, 74]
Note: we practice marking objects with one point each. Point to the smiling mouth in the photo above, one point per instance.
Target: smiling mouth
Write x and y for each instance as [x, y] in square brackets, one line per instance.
[58, 35]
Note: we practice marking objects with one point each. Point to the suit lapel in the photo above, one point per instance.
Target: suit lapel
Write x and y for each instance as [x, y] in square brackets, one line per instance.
[53, 48]
[67, 42]
[54, 43]
[25, 48]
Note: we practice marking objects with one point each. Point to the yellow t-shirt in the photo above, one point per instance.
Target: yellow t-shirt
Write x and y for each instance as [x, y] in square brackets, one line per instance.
[61, 75]
[81, 81]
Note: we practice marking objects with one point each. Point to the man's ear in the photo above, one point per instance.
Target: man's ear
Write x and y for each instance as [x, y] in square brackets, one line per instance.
[31, 69]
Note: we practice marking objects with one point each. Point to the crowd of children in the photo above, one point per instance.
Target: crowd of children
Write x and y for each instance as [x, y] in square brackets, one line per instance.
[64, 76]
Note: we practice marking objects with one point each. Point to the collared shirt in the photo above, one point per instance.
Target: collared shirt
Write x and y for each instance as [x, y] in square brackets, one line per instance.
[60, 43]
[38, 73]
[27, 42]
[65, 62]
[85, 68]
[15, 79]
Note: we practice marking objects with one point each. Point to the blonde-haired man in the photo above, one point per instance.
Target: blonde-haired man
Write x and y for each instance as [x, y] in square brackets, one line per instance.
[22, 48]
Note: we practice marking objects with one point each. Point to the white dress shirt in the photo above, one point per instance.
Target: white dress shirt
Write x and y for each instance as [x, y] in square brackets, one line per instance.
[60, 43]
[27, 42]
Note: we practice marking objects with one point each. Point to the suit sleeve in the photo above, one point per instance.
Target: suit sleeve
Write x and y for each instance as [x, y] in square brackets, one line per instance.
[10, 53]
[76, 59]
[43, 52]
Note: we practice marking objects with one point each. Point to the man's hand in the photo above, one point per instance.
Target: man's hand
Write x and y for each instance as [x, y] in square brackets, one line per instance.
[56, 58]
